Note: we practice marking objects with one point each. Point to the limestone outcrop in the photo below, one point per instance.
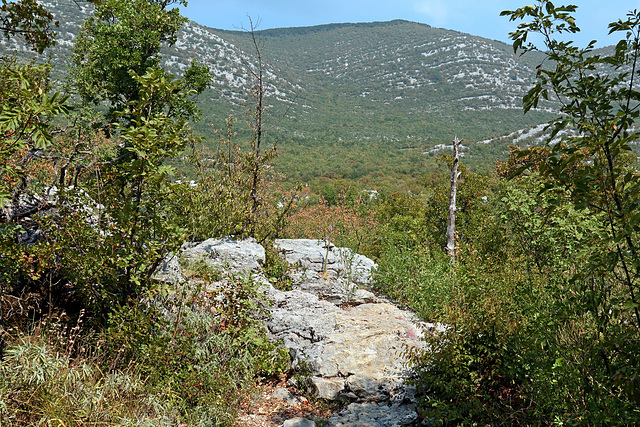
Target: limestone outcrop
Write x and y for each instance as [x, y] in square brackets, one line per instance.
[348, 340]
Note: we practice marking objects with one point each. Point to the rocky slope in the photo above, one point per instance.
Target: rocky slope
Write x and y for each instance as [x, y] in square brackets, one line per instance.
[348, 339]
[380, 82]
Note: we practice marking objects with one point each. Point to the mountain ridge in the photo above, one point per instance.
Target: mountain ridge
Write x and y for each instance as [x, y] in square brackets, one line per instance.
[380, 87]
[319, 27]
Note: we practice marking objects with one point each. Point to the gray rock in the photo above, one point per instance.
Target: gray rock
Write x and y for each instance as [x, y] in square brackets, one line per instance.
[348, 340]
[362, 296]
[374, 415]
[374, 388]
[319, 256]
[232, 255]
[312, 255]
[288, 397]
[335, 290]
[169, 271]
[299, 422]
[356, 267]
[360, 347]
[327, 388]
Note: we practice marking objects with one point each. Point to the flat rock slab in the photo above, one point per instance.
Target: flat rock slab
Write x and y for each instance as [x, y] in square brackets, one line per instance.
[350, 341]
[337, 290]
[373, 415]
[227, 253]
[299, 422]
[354, 353]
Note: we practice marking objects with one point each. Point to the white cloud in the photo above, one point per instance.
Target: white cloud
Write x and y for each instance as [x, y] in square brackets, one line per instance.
[435, 10]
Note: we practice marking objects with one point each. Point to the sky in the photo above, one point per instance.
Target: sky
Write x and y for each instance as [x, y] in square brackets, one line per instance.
[476, 17]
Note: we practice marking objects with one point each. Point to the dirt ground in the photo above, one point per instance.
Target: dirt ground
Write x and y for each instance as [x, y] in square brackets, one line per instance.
[263, 410]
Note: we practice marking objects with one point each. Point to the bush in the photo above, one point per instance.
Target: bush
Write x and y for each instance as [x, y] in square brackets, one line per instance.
[416, 278]
[478, 369]
[531, 337]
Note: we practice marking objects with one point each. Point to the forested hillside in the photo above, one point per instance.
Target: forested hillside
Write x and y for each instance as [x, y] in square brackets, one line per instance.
[394, 91]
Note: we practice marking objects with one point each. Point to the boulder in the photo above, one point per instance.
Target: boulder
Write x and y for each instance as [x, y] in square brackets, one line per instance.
[327, 388]
[324, 258]
[349, 341]
[354, 353]
[374, 415]
[169, 270]
[289, 398]
[335, 290]
[238, 256]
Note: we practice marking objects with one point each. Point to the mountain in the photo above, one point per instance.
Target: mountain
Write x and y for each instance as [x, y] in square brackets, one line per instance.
[396, 91]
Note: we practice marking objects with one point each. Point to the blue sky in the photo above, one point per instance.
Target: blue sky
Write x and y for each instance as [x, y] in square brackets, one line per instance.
[477, 17]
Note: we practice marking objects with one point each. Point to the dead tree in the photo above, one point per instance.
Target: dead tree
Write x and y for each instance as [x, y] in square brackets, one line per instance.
[451, 225]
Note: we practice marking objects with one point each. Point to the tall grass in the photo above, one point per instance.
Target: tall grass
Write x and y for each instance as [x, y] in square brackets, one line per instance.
[179, 357]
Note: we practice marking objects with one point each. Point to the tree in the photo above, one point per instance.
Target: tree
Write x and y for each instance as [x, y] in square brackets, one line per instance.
[27, 108]
[242, 174]
[29, 19]
[599, 104]
[116, 244]
[124, 37]
[590, 157]
[103, 204]
[451, 224]
[116, 62]
[27, 105]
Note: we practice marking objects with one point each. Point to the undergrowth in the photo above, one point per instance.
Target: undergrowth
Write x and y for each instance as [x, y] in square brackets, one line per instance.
[185, 355]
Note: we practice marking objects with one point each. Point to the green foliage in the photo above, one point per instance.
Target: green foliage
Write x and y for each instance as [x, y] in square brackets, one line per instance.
[123, 39]
[416, 278]
[276, 267]
[38, 383]
[530, 330]
[593, 162]
[29, 19]
[236, 191]
[421, 219]
[27, 108]
[186, 355]
[200, 345]
[87, 218]
[133, 226]
[539, 311]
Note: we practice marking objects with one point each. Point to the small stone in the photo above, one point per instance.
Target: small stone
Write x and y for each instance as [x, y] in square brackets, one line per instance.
[282, 393]
[287, 396]
[299, 422]
[362, 296]
[327, 388]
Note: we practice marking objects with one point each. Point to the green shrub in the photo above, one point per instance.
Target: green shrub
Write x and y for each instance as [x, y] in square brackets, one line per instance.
[477, 370]
[416, 278]
[203, 345]
[531, 338]
[41, 383]
[277, 268]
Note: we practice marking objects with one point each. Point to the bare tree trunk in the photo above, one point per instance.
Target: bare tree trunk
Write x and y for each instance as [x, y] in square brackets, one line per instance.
[258, 92]
[451, 226]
